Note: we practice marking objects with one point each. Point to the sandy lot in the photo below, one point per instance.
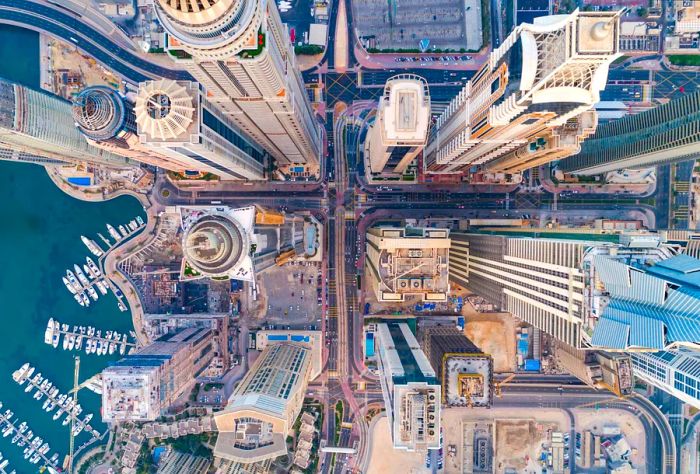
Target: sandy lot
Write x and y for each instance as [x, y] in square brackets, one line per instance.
[631, 427]
[384, 458]
[493, 333]
[515, 437]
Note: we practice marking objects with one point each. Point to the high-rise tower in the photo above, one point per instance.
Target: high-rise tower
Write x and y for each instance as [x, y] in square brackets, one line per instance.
[176, 120]
[670, 132]
[38, 127]
[400, 130]
[532, 101]
[240, 52]
[108, 121]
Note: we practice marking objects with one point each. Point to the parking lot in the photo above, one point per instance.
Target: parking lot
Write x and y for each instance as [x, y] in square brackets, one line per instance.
[295, 294]
[453, 24]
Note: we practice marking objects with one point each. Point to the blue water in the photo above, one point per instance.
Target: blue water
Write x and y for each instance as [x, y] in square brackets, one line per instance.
[39, 239]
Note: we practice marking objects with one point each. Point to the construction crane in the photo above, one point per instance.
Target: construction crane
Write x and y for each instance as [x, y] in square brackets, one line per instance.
[76, 382]
[497, 386]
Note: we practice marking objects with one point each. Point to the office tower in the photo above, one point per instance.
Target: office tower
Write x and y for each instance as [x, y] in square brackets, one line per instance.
[531, 102]
[675, 372]
[240, 52]
[221, 242]
[38, 127]
[176, 119]
[667, 133]
[408, 262]
[605, 370]
[141, 386]
[466, 373]
[410, 388]
[400, 129]
[632, 292]
[263, 408]
[108, 121]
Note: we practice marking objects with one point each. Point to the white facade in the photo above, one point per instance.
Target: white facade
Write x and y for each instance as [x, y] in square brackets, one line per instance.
[677, 373]
[531, 103]
[410, 388]
[240, 52]
[400, 130]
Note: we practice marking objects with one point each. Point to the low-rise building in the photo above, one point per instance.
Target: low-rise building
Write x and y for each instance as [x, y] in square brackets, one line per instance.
[141, 386]
[408, 262]
[263, 408]
[410, 388]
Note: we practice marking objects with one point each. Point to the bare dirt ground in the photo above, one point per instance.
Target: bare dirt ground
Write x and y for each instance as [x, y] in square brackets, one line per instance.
[384, 458]
[493, 333]
[631, 427]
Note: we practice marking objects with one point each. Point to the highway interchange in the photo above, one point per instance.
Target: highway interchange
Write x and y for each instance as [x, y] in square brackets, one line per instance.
[347, 206]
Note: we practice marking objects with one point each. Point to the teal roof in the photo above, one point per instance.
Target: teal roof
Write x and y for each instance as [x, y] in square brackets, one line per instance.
[650, 307]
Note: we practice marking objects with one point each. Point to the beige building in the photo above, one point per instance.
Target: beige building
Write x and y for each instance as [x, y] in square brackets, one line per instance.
[261, 412]
[400, 130]
[532, 101]
[408, 262]
[240, 52]
[141, 386]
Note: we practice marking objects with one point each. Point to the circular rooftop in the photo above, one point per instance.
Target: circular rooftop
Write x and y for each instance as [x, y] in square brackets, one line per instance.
[197, 12]
[99, 112]
[164, 110]
[215, 245]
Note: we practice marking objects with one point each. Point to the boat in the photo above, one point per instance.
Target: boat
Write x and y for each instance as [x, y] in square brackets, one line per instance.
[4, 464]
[71, 342]
[78, 342]
[48, 334]
[91, 246]
[45, 404]
[69, 287]
[35, 458]
[88, 272]
[139, 220]
[121, 306]
[88, 346]
[113, 232]
[20, 375]
[102, 286]
[91, 331]
[65, 342]
[54, 458]
[86, 301]
[79, 299]
[44, 448]
[132, 225]
[93, 294]
[73, 280]
[8, 431]
[95, 269]
[58, 414]
[122, 346]
[112, 348]
[81, 276]
[123, 231]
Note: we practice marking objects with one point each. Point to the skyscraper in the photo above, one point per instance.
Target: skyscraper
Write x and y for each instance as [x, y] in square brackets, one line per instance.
[670, 132]
[262, 410]
[221, 242]
[108, 121]
[175, 119]
[410, 388]
[400, 129]
[408, 262]
[240, 52]
[619, 295]
[532, 101]
[141, 386]
[38, 127]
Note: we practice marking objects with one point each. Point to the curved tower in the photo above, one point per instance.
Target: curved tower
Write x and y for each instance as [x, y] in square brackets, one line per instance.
[164, 110]
[532, 101]
[240, 52]
[101, 114]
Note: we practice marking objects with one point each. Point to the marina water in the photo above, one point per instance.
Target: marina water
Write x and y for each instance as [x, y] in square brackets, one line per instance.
[39, 239]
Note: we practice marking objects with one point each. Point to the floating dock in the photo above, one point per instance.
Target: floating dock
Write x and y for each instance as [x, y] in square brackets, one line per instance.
[54, 399]
[36, 449]
[88, 338]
